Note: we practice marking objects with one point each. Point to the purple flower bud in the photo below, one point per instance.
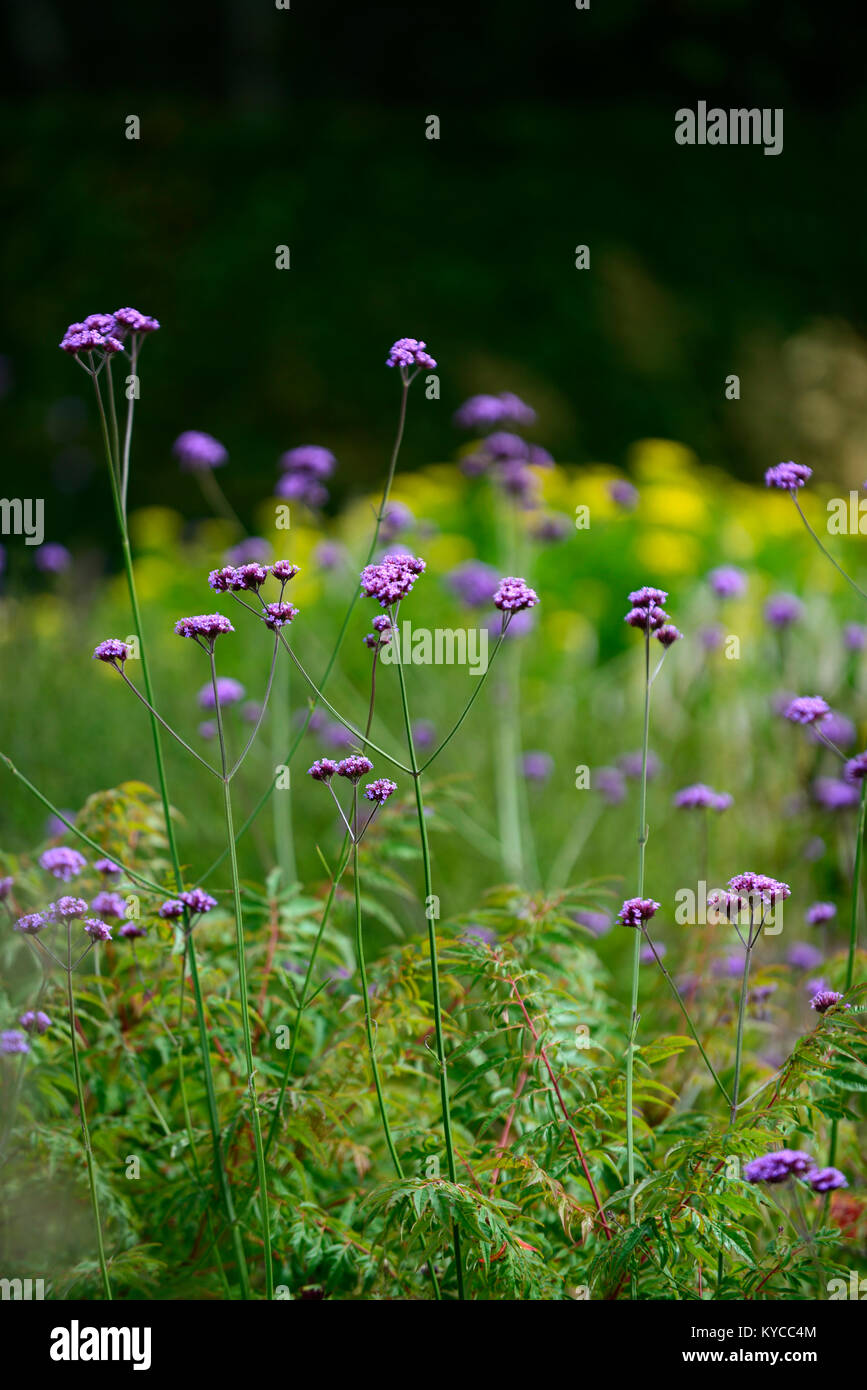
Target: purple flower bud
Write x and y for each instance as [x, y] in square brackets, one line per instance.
[322, 770]
[134, 321]
[788, 476]
[514, 594]
[206, 625]
[668, 634]
[35, 1021]
[409, 352]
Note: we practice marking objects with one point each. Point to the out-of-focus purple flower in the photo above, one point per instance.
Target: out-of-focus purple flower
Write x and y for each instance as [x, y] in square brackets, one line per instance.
[208, 729]
[474, 583]
[855, 637]
[537, 766]
[208, 626]
[815, 986]
[63, 863]
[599, 923]
[130, 930]
[423, 733]
[788, 476]
[730, 967]
[804, 956]
[329, 555]
[198, 901]
[836, 728]
[494, 412]
[337, 736]
[727, 581]
[354, 767]
[781, 610]
[108, 868]
[96, 929]
[35, 1021]
[134, 321]
[229, 691]
[856, 768]
[646, 954]
[514, 594]
[826, 1179]
[379, 791]
[392, 578]
[322, 770]
[833, 794]
[52, 558]
[253, 548]
[31, 923]
[668, 634]
[197, 451]
[277, 615]
[711, 638]
[611, 783]
[637, 910]
[409, 352]
[702, 797]
[824, 1000]
[12, 1041]
[171, 910]
[777, 1167]
[519, 625]
[623, 494]
[485, 936]
[301, 487]
[109, 905]
[807, 709]
[397, 519]
[630, 764]
[553, 526]
[820, 912]
[760, 994]
[6, 886]
[310, 459]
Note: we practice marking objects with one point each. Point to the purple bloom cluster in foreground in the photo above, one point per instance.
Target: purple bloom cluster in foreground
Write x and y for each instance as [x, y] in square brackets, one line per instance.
[703, 797]
[513, 595]
[96, 929]
[380, 790]
[63, 863]
[646, 612]
[637, 910]
[197, 451]
[207, 625]
[277, 615]
[392, 578]
[409, 352]
[354, 767]
[111, 650]
[824, 1000]
[826, 1179]
[807, 709]
[323, 770]
[788, 476]
[106, 332]
[31, 923]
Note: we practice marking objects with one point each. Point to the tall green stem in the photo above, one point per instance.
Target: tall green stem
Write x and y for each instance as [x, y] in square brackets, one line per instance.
[856, 887]
[742, 1009]
[82, 1110]
[636, 945]
[242, 989]
[431, 914]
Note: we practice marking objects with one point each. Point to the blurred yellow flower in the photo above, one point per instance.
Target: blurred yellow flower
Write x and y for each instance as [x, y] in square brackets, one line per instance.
[659, 458]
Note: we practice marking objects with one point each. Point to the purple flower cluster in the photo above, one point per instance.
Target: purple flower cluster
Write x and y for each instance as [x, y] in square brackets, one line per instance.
[819, 913]
[198, 901]
[12, 1041]
[513, 595]
[207, 626]
[635, 911]
[105, 332]
[304, 471]
[856, 768]
[112, 651]
[824, 1000]
[380, 790]
[648, 614]
[788, 476]
[229, 692]
[130, 930]
[781, 610]
[35, 1021]
[727, 581]
[322, 770]
[473, 582]
[354, 767]
[391, 579]
[31, 923]
[108, 868]
[702, 797]
[494, 412]
[97, 929]
[197, 451]
[409, 352]
[63, 863]
[277, 615]
[777, 1167]
[109, 905]
[807, 709]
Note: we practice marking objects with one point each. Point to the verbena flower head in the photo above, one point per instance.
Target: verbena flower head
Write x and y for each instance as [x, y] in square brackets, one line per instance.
[6, 886]
[35, 1021]
[409, 352]
[171, 910]
[52, 558]
[109, 905]
[134, 322]
[108, 868]
[649, 954]
[788, 476]
[66, 909]
[491, 412]
[826, 1179]
[250, 577]
[96, 929]
[820, 912]
[537, 766]
[824, 1000]
[623, 494]
[84, 337]
[752, 885]
[301, 487]
[229, 691]
[596, 922]
[222, 581]
[836, 728]
[204, 629]
[111, 651]
[807, 709]
[668, 634]
[197, 451]
[803, 955]
[130, 930]
[611, 783]
[649, 619]
[31, 923]
[322, 770]
[727, 581]
[833, 794]
[277, 615]
[648, 597]
[310, 459]
[380, 790]
[514, 594]
[700, 796]
[779, 1166]
[632, 764]
[392, 578]
[208, 729]
[354, 767]
[855, 637]
[635, 911]
[63, 863]
[473, 582]
[781, 610]
[12, 1041]
[198, 901]
[856, 768]
[284, 570]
